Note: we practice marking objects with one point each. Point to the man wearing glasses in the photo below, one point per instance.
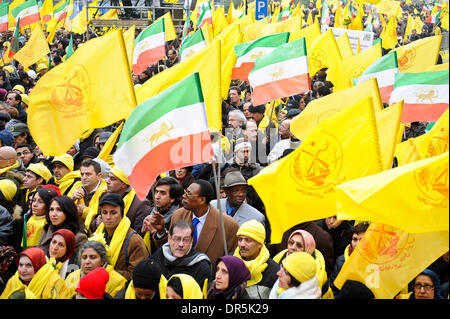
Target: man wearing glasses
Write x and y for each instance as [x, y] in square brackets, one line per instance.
[178, 256]
[235, 187]
[26, 154]
[206, 220]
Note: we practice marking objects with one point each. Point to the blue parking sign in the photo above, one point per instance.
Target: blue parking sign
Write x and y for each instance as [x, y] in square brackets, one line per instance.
[261, 9]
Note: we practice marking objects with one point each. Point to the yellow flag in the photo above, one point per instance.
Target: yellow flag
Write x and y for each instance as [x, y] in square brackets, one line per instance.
[290, 25]
[128, 37]
[219, 20]
[12, 5]
[434, 142]
[323, 52]
[352, 67]
[35, 48]
[309, 20]
[320, 109]
[421, 196]
[110, 143]
[344, 45]
[169, 29]
[419, 54]
[207, 63]
[342, 148]
[388, 7]
[388, 122]
[230, 13]
[409, 27]
[255, 30]
[73, 98]
[339, 17]
[387, 258]
[46, 11]
[390, 35]
[418, 25]
[79, 22]
[357, 23]
[51, 29]
[275, 15]
[406, 152]
[309, 33]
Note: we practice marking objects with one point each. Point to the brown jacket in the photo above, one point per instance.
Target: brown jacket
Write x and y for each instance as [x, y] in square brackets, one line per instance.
[210, 241]
[137, 251]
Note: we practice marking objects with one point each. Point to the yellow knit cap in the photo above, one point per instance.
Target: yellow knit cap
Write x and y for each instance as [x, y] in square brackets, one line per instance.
[40, 170]
[8, 188]
[300, 265]
[25, 99]
[253, 229]
[20, 88]
[65, 159]
[117, 172]
[9, 68]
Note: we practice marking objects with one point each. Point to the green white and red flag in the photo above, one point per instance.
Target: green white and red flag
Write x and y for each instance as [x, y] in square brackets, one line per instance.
[285, 14]
[149, 47]
[384, 69]
[205, 16]
[61, 12]
[14, 47]
[192, 44]
[434, 19]
[27, 12]
[168, 131]
[4, 16]
[425, 95]
[248, 52]
[281, 73]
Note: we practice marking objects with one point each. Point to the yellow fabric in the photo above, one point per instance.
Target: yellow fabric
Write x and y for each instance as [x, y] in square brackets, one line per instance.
[117, 172]
[117, 240]
[76, 87]
[219, 20]
[67, 180]
[66, 159]
[263, 124]
[309, 33]
[40, 170]
[388, 122]
[35, 48]
[390, 36]
[344, 45]
[352, 67]
[34, 229]
[323, 52]
[12, 5]
[342, 147]
[419, 54]
[162, 287]
[388, 7]
[207, 63]
[191, 289]
[409, 27]
[15, 284]
[253, 229]
[387, 259]
[115, 283]
[255, 266]
[255, 30]
[8, 188]
[128, 200]
[421, 203]
[51, 29]
[406, 152]
[325, 107]
[128, 37]
[435, 142]
[147, 241]
[47, 283]
[300, 265]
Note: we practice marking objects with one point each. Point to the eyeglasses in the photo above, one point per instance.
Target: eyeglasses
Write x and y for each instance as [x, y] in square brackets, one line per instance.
[426, 287]
[188, 194]
[185, 240]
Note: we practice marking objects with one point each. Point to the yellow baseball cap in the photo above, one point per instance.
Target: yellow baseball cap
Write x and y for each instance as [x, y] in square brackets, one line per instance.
[40, 170]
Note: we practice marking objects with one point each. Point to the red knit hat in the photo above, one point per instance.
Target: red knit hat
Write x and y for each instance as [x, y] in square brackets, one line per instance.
[70, 240]
[55, 188]
[36, 255]
[93, 285]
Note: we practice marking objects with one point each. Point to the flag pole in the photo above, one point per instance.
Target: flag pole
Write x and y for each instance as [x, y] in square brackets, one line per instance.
[215, 165]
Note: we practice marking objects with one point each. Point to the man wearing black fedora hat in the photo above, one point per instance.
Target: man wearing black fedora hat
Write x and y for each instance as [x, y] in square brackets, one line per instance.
[235, 205]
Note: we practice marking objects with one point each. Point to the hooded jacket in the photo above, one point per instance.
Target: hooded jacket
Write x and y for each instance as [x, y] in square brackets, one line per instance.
[6, 226]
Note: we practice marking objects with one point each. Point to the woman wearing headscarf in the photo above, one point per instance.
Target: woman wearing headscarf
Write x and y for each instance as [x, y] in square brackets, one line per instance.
[231, 279]
[62, 247]
[62, 214]
[93, 254]
[297, 278]
[302, 241]
[183, 286]
[36, 277]
[426, 286]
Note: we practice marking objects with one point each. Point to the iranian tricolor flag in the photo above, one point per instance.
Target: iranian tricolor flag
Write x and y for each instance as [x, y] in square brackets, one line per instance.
[425, 95]
[434, 19]
[60, 13]
[14, 47]
[28, 12]
[284, 15]
[4, 16]
[281, 73]
[325, 14]
[149, 47]
[168, 131]
[248, 52]
[192, 44]
[205, 16]
[384, 69]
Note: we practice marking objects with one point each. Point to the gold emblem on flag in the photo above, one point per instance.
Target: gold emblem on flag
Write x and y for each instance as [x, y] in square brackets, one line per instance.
[164, 129]
[439, 143]
[406, 59]
[72, 97]
[317, 166]
[254, 56]
[426, 96]
[383, 244]
[317, 59]
[432, 182]
[357, 72]
[278, 74]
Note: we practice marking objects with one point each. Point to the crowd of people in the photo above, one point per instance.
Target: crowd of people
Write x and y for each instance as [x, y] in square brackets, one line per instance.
[72, 227]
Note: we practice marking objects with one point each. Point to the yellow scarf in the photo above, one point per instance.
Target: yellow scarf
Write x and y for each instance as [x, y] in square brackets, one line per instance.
[34, 229]
[117, 239]
[67, 180]
[4, 170]
[47, 283]
[256, 266]
[15, 284]
[162, 287]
